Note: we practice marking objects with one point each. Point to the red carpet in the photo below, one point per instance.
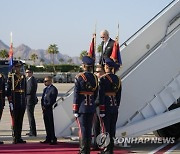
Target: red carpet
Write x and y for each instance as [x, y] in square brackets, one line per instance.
[37, 148]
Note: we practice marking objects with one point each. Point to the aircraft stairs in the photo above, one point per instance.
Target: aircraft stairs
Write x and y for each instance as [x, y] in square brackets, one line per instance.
[150, 79]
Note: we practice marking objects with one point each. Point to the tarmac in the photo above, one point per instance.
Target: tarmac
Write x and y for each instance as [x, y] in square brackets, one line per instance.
[5, 124]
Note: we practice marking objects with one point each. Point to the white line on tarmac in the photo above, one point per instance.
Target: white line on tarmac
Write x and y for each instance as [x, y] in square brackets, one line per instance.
[157, 149]
[171, 149]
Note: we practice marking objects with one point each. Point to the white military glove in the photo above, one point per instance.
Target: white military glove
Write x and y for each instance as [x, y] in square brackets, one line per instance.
[11, 106]
[102, 115]
[76, 115]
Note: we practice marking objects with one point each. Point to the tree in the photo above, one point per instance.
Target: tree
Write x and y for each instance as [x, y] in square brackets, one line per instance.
[61, 60]
[99, 49]
[41, 60]
[69, 60]
[52, 50]
[4, 54]
[82, 54]
[34, 57]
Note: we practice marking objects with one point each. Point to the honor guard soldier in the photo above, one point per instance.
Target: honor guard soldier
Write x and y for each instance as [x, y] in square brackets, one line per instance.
[109, 98]
[85, 93]
[2, 96]
[16, 93]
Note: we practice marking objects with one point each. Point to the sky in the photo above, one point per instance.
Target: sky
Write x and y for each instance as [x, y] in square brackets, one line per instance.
[71, 23]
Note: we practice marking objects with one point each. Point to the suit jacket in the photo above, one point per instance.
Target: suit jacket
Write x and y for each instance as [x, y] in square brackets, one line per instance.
[107, 52]
[49, 97]
[31, 91]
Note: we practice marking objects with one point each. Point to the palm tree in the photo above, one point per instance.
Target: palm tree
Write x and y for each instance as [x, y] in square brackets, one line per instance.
[82, 54]
[4, 54]
[99, 49]
[61, 60]
[69, 60]
[42, 61]
[34, 57]
[53, 49]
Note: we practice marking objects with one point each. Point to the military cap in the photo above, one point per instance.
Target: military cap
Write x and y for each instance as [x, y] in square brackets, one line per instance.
[110, 62]
[87, 60]
[17, 63]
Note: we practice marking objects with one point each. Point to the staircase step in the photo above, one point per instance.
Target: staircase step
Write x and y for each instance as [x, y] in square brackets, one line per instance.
[74, 131]
[148, 111]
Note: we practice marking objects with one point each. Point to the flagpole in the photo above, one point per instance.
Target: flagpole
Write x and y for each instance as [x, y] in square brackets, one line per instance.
[118, 34]
[94, 36]
[11, 37]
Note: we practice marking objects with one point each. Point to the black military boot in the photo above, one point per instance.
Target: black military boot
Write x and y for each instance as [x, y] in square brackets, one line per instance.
[111, 148]
[88, 147]
[82, 146]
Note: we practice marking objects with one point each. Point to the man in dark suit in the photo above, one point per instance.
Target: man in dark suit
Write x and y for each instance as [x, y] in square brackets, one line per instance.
[2, 96]
[107, 46]
[31, 101]
[48, 99]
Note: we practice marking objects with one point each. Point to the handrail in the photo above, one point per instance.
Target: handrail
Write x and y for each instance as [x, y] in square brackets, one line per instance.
[154, 47]
[146, 54]
[125, 43]
[64, 95]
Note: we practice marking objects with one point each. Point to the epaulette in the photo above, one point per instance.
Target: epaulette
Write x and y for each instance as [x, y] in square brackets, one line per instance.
[103, 76]
[9, 75]
[78, 75]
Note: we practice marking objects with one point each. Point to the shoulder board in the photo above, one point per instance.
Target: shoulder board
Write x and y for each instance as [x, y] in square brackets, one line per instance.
[103, 75]
[78, 75]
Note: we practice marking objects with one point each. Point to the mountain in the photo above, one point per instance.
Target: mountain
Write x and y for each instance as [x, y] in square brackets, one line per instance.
[24, 52]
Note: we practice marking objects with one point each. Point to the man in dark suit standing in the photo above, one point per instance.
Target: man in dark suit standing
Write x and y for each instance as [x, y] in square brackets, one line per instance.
[107, 46]
[31, 101]
[48, 99]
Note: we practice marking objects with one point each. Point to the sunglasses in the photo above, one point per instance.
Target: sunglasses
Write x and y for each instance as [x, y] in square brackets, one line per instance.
[102, 37]
[28, 72]
[46, 81]
[98, 71]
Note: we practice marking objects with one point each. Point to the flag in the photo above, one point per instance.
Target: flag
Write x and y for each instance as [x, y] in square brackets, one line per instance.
[116, 55]
[11, 57]
[91, 52]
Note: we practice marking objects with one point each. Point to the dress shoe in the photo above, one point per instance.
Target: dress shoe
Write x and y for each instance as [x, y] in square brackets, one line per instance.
[21, 141]
[53, 143]
[1, 142]
[30, 134]
[95, 148]
[45, 142]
